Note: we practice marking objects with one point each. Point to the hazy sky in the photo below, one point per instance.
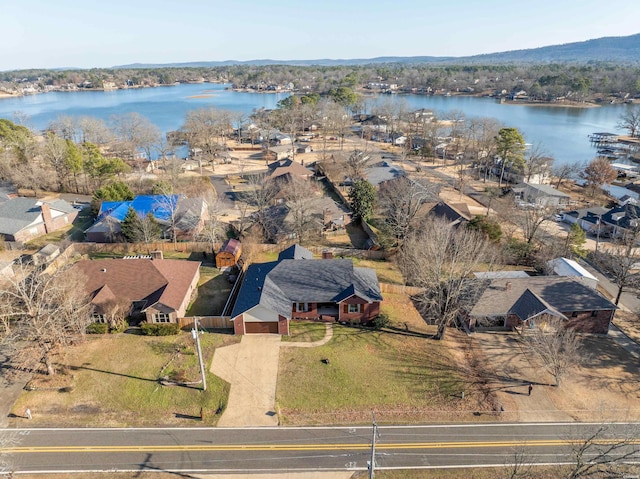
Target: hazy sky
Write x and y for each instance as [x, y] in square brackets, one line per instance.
[74, 33]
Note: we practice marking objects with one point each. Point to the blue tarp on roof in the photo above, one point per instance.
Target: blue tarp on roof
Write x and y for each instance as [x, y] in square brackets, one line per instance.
[160, 207]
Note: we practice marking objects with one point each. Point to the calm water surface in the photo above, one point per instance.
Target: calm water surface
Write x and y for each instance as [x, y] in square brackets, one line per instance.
[562, 132]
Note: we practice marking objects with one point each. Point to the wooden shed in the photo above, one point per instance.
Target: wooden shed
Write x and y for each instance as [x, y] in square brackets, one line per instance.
[229, 254]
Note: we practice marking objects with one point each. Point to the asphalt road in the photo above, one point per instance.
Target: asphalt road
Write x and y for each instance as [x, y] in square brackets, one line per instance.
[218, 450]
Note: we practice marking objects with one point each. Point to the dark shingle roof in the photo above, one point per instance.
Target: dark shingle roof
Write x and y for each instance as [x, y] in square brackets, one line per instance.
[295, 252]
[277, 285]
[18, 213]
[530, 305]
[565, 294]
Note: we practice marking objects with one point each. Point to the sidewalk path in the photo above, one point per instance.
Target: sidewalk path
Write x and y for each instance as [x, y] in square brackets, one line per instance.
[313, 344]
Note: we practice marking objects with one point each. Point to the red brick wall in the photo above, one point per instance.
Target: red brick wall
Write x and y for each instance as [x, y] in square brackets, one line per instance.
[585, 323]
[311, 314]
[283, 325]
[238, 325]
[368, 311]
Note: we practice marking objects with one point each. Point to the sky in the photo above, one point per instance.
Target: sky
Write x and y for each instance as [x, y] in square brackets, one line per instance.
[87, 34]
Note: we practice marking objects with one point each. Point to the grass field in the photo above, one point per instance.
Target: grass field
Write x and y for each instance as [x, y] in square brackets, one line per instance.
[113, 381]
[402, 376]
[305, 331]
[213, 292]
[387, 271]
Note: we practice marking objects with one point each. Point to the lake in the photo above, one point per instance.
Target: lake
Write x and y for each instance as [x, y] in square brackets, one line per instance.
[561, 131]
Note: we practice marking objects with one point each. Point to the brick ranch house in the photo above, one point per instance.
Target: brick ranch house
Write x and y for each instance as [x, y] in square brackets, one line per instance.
[519, 302]
[296, 286]
[154, 290]
[22, 219]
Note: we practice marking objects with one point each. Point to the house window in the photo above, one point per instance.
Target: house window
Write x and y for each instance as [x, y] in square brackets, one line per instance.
[161, 318]
[594, 314]
[302, 307]
[354, 308]
[574, 314]
[98, 318]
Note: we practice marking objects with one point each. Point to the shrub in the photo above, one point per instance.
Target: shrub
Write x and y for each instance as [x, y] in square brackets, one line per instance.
[98, 328]
[119, 327]
[381, 321]
[160, 329]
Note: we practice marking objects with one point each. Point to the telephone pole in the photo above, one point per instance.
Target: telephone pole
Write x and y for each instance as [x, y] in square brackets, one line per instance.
[372, 461]
[196, 335]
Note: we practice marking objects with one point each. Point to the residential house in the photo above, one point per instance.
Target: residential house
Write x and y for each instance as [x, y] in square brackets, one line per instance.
[279, 152]
[154, 290]
[541, 195]
[382, 171]
[229, 254]
[455, 214]
[518, 302]
[299, 287]
[587, 218]
[618, 221]
[22, 219]
[287, 168]
[189, 214]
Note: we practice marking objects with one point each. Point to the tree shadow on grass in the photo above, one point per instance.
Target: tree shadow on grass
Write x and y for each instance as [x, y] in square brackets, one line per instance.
[86, 368]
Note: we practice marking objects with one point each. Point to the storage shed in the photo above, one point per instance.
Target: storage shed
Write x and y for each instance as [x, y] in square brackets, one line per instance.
[568, 267]
[229, 254]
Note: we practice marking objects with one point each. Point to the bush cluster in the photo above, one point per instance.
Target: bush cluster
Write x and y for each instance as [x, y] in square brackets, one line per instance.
[160, 329]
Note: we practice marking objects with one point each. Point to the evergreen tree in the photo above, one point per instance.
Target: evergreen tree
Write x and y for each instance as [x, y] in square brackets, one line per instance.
[363, 198]
[132, 226]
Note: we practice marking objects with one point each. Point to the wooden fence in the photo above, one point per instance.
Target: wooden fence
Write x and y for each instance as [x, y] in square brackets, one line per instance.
[400, 289]
[207, 322]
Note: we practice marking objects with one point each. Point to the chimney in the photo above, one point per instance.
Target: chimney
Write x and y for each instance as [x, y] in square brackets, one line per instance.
[46, 217]
[508, 286]
[157, 255]
[326, 254]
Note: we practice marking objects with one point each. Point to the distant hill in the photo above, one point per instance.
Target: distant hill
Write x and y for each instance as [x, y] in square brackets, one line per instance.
[607, 49]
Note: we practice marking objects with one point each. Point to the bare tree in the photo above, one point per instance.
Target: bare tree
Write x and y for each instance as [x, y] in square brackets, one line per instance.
[528, 219]
[604, 451]
[440, 259]
[211, 231]
[537, 162]
[565, 171]
[558, 348]
[135, 132]
[400, 200]
[619, 260]
[43, 313]
[300, 195]
[630, 121]
[167, 204]
[55, 152]
[597, 173]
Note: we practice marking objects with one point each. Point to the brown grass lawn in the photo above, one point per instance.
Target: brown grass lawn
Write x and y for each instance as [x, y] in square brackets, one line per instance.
[400, 372]
[386, 270]
[213, 291]
[113, 381]
[305, 331]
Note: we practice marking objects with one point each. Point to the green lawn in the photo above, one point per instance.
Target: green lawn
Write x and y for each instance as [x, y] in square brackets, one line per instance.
[305, 331]
[113, 381]
[213, 292]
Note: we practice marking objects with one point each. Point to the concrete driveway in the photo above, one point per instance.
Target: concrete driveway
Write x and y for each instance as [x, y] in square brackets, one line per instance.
[251, 367]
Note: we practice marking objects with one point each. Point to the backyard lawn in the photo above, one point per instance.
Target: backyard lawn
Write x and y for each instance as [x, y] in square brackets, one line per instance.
[112, 381]
[213, 291]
